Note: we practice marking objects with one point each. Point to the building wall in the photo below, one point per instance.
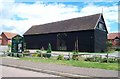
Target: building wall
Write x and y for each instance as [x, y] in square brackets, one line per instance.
[0, 41]
[115, 42]
[100, 40]
[39, 41]
[85, 41]
[4, 40]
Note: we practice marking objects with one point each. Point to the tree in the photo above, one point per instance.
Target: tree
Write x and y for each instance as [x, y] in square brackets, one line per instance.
[49, 48]
[9, 47]
[109, 46]
[49, 51]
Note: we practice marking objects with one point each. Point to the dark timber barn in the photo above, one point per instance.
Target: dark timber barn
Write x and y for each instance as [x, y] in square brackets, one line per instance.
[88, 34]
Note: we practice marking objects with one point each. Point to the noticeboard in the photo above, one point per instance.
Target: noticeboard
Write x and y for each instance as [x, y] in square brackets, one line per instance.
[17, 44]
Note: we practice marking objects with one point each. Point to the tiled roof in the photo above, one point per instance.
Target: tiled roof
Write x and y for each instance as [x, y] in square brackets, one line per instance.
[9, 35]
[113, 35]
[75, 24]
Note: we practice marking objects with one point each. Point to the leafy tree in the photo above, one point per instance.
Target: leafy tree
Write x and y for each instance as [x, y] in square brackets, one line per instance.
[109, 46]
[9, 47]
[49, 50]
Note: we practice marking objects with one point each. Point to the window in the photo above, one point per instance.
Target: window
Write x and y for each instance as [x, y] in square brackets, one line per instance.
[117, 41]
[101, 26]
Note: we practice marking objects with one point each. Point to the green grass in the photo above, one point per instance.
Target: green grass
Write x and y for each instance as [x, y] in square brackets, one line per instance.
[108, 66]
[89, 52]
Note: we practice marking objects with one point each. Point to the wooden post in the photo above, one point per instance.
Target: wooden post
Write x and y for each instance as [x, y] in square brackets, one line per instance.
[100, 58]
[107, 57]
[69, 55]
[77, 44]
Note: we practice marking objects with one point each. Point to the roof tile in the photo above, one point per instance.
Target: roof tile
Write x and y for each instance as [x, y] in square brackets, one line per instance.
[75, 24]
[9, 35]
[113, 35]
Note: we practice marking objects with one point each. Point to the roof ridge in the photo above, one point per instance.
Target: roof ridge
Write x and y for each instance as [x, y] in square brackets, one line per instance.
[9, 32]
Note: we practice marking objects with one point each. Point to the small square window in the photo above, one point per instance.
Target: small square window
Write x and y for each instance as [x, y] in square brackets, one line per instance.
[101, 26]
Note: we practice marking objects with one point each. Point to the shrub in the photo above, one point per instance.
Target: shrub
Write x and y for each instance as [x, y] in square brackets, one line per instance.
[111, 60]
[117, 49]
[91, 59]
[26, 51]
[48, 54]
[48, 51]
[38, 55]
[15, 54]
[104, 60]
[9, 54]
[60, 57]
[118, 60]
[75, 55]
[97, 59]
[19, 55]
[75, 52]
[44, 54]
[25, 54]
[35, 55]
[109, 45]
[49, 48]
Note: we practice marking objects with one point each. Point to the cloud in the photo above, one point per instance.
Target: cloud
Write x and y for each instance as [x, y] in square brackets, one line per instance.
[21, 16]
[37, 13]
[110, 13]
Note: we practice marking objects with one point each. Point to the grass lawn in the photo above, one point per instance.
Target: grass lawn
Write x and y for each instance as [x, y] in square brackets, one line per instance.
[108, 66]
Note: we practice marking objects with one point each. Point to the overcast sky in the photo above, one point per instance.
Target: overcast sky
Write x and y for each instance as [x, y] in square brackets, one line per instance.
[18, 17]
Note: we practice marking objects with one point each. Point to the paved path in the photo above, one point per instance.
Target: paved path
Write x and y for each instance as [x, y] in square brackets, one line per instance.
[92, 72]
[15, 72]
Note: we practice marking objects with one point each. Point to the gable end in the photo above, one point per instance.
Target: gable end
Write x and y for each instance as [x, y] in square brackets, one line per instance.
[100, 25]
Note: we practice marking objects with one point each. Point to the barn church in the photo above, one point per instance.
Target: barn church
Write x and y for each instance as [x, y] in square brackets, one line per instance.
[86, 34]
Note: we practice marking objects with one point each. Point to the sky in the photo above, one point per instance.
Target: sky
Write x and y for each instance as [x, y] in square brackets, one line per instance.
[18, 16]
